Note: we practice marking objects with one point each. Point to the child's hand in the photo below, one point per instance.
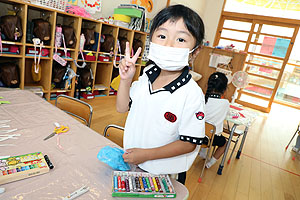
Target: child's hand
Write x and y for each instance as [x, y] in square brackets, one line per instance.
[135, 156]
[127, 65]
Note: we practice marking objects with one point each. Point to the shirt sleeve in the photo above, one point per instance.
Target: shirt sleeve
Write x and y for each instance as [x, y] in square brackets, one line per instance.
[192, 125]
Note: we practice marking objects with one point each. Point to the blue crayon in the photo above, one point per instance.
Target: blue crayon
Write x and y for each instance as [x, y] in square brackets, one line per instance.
[116, 183]
[145, 184]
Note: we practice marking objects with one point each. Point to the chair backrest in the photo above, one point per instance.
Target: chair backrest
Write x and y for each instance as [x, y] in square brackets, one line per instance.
[210, 131]
[75, 107]
[115, 133]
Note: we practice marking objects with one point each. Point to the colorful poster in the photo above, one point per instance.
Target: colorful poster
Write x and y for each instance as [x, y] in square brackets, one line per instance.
[148, 4]
[281, 47]
[267, 46]
[92, 6]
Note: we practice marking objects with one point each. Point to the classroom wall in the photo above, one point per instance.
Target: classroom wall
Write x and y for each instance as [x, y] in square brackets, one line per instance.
[209, 10]
[108, 7]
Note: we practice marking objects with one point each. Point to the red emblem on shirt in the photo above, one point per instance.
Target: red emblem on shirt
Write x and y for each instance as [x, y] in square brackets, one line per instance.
[170, 117]
[200, 115]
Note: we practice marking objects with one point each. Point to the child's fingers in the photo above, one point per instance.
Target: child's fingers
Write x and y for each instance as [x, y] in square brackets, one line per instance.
[136, 55]
[122, 65]
[127, 51]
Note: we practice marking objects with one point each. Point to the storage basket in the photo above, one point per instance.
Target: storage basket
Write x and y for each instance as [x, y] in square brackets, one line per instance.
[54, 4]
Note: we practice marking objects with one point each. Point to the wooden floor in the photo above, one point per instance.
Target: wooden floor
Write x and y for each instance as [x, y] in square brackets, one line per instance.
[264, 171]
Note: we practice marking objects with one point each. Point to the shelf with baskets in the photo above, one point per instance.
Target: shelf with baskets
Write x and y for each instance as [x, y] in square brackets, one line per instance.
[100, 52]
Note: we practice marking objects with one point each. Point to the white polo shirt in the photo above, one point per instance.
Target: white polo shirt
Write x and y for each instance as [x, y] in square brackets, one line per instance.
[216, 110]
[156, 118]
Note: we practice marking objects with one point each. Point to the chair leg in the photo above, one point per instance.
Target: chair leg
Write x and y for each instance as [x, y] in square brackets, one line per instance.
[287, 146]
[205, 161]
[235, 143]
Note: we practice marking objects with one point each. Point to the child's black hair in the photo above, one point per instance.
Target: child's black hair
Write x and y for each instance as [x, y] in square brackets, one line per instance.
[191, 19]
[217, 84]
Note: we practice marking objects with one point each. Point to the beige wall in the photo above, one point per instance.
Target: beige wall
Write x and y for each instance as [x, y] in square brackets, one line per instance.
[209, 10]
[109, 5]
[211, 16]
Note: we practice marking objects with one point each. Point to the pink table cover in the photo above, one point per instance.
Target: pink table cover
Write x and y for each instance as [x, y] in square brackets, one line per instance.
[75, 165]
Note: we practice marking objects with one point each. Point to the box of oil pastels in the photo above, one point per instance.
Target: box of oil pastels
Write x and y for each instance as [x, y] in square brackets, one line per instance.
[142, 184]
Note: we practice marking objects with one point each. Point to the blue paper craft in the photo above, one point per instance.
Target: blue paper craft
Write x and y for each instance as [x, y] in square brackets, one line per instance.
[113, 157]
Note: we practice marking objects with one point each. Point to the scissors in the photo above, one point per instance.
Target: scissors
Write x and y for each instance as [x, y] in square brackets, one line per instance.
[58, 130]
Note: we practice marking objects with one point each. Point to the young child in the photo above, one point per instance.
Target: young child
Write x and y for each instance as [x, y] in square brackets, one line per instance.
[165, 122]
[216, 110]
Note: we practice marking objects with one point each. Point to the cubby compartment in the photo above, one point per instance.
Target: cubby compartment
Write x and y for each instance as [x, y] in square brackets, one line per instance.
[38, 26]
[11, 72]
[7, 12]
[124, 35]
[91, 30]
[45, 67]
[108, 39]
[103, 77]
[59, 77]
[70, 30]
[139, 40]
[102, 56]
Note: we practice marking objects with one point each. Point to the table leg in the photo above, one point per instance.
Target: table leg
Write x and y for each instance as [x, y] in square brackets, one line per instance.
[242, 143]
[226, 149]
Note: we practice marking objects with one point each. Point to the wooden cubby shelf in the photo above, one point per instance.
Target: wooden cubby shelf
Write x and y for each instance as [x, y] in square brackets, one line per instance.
[103, 71]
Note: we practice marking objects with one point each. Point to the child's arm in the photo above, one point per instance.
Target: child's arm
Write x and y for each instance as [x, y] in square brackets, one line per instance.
[138, 155]
[127, 71]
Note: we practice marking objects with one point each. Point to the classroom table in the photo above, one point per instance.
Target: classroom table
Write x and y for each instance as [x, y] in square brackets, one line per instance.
[75, 163]
[238, 116]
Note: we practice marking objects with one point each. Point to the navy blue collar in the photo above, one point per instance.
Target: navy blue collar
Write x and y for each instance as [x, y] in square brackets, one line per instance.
[213, 95]
[183, 79]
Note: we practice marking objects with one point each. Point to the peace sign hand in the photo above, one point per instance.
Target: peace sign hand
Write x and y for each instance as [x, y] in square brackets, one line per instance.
[127, 65]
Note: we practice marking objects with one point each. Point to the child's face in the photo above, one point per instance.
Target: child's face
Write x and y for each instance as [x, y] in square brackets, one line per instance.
[174, 34]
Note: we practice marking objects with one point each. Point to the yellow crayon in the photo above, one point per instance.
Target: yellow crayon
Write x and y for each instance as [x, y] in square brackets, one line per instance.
[155, 185]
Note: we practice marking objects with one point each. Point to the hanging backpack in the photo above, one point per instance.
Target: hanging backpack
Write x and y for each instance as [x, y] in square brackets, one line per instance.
[11, 27]
[9, 75]
[89, 35]
[107, 43]
[42, 30]
[70, 36]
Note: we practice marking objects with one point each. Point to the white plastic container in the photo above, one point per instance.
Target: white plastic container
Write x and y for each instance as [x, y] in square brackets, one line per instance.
[120, 23]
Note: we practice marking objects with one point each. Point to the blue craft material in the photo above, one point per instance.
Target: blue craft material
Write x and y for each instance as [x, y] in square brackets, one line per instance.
[113, 157]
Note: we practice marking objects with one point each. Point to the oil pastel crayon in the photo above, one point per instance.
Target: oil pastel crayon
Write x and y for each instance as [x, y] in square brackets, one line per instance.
[137, 183]
[148, 184]
[151, 183]
[116, 183]
[155, 184]
[127, 184]
[145, 184]
[141, 183]
[158, 184]
[119, 184]
[165, 185]
[123, 183]
[169, 183]
[133, 184]
[130, 183]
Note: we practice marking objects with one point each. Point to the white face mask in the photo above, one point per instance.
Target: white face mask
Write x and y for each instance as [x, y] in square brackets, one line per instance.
[169, 58]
